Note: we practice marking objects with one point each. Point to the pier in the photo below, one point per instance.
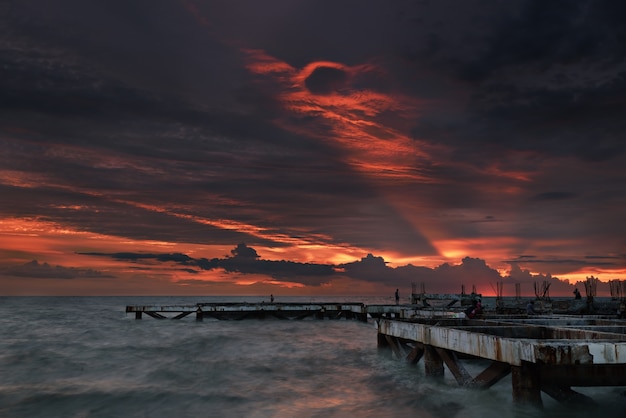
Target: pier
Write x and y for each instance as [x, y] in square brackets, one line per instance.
[298, 311]
[239, 311]
[547, 354]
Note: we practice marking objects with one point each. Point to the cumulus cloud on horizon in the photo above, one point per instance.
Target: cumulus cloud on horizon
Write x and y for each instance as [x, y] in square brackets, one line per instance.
[445, 278]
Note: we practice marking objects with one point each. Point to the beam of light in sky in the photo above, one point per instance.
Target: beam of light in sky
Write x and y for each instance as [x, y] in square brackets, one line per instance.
[378, 152]
[384, 155]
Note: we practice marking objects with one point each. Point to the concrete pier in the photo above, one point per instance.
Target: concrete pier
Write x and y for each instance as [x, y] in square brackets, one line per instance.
[239, 311]
[346, 310]
[543, 354]
[549, 355]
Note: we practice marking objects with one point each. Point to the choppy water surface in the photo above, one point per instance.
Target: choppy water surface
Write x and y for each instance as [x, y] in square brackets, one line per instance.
[84, 357]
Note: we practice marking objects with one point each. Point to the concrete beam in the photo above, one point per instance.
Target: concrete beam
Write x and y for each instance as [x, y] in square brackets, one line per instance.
[508, 350]
[495, 372]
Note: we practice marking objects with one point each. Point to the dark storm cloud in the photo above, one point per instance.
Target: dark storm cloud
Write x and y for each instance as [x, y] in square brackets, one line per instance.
[244, 260]
[572, 263]
[37, 270]
[564, 264]
[242, 251]
[445, 276]
[373, 269]
[508, 45]
[559, 32]
[174, 257]
[549, 196]
[100, 215]
[326, 80]
[584, 124]
[547, 77]
[68, 99]
[604, 257]
[153, 45]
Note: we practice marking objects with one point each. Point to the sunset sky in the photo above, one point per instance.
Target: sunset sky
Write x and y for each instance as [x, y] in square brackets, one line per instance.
[310, 147]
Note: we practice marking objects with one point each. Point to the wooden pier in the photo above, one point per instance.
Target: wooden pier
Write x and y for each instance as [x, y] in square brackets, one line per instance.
[549, 355]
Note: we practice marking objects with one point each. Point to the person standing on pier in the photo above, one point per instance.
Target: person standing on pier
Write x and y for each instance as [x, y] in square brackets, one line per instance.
[530, 308]
[475, 309]
[271, 298]
[397, 297]
[576, 293]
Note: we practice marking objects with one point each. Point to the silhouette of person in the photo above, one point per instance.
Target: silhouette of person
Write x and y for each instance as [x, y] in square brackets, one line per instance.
[271, 298]
[397, 297]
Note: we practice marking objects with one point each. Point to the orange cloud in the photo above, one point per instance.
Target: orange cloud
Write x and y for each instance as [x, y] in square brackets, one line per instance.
[351, 114]
[489, 248]
[59, 245]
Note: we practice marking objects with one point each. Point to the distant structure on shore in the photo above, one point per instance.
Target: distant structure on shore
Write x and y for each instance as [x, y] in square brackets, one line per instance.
[544, 303]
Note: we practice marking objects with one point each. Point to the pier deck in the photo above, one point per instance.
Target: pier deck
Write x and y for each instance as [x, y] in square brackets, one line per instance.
[243, 310]
[239, 311]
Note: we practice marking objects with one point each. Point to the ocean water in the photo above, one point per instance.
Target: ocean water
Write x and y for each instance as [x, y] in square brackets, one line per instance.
[85, 357]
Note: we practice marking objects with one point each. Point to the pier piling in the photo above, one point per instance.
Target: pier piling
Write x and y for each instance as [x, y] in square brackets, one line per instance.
[433, 363]
[526, 384]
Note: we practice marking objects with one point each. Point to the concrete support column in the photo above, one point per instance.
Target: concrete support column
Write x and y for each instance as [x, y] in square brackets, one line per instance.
[433, 364]
[199, 314]
[138, 315]
[383, 344]
[526, 384]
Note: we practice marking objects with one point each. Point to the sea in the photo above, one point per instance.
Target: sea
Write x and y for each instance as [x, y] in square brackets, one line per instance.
[85, 357]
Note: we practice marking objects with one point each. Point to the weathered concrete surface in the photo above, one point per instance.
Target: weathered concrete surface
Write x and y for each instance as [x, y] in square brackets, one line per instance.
[526, 343]
[443, 299]
[567, 306]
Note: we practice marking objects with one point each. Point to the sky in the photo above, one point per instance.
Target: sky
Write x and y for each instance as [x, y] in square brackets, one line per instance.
[311, 147]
